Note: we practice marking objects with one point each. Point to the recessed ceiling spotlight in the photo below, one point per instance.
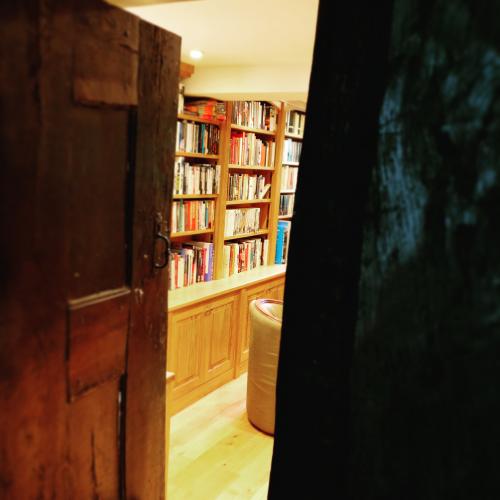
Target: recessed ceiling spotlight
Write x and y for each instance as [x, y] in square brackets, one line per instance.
[196, 54]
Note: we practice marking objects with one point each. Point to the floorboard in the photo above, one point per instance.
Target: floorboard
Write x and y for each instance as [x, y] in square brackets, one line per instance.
[215, 453]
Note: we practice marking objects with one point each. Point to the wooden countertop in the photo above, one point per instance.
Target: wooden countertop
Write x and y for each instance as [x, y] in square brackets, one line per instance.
[202, 291]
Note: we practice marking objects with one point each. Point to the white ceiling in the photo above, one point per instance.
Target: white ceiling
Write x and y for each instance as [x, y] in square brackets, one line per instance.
[248, 35]
[239, 32]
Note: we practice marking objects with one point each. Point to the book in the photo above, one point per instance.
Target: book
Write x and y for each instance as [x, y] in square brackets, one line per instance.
[280, 237]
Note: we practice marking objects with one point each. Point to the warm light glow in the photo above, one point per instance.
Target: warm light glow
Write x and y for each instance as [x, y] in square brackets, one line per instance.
[196, 54]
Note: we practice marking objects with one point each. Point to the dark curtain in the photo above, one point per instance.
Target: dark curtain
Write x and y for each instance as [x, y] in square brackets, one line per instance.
[390, 355]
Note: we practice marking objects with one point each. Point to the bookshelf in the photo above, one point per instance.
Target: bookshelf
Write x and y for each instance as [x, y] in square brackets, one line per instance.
[216, 311]
[294, 122]
[247, 146]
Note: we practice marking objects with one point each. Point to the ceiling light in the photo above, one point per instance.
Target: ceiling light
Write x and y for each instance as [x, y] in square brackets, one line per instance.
[196, 54]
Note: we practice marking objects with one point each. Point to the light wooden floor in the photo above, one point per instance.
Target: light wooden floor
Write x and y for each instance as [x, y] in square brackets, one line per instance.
[215, 453]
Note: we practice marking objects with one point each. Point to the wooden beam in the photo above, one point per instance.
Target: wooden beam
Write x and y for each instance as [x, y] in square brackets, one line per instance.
[186, 70]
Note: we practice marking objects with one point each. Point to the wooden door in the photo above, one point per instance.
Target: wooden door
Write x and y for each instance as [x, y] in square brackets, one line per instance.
[88, 98]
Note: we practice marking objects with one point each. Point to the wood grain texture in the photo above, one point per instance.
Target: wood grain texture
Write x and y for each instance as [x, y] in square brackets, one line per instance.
[66, 208]
[201, 348]
[112, 38]
[146, 361]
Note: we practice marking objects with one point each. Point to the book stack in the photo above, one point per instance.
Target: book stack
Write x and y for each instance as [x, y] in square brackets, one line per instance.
[192, 215]
[282, 241]
[195, 178]
[289, 178]
[286, 204]
[197, 137]
[247, 149]
[254, 114]
[295, 122]
[241, 221]
[208, 109]
[190, 263]
[244, 256]
[247, 187]
[291, 151]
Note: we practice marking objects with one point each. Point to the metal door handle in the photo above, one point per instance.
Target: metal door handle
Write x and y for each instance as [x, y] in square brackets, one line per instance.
[166, 252]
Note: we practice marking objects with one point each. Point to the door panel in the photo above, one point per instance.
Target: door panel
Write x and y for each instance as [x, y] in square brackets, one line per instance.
[185, 350]
[93, 427]
[97, 338]
[220, 337]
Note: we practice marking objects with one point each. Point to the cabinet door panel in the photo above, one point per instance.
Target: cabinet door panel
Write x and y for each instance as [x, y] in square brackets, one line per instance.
[252, 294]
[185, 351]
[220, 337]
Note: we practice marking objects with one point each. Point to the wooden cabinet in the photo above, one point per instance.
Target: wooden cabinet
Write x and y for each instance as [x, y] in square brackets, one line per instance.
[201, 348]
[208, 337]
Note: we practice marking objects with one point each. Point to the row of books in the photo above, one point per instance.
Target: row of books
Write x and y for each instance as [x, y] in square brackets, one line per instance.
[291, 151]
[189, 263]
[197, 137]
[247, 187]
[286, 204]
[295, 122]
[241, 221]
[248, 149]
[209, 109]
[282, 241]
[244, 256]
[289, 177]
[194, 215]
[254, 114]
[198, 178]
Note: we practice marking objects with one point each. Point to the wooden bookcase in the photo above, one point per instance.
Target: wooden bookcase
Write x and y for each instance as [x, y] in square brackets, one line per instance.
[208, 329]
[269, 206]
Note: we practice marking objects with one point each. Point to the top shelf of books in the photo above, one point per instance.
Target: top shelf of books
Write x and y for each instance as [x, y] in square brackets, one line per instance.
[198, 119]
[254, 116]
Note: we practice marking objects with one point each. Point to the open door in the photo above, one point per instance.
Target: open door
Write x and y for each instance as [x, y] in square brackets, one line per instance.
[88, 97]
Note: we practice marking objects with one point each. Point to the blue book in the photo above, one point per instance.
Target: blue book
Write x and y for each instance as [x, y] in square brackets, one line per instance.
[280, 238]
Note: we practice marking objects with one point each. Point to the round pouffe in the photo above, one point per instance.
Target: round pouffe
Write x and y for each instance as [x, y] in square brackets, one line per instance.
[265, 334]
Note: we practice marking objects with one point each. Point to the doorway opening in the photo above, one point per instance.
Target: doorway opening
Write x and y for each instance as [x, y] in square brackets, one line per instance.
[242, 99]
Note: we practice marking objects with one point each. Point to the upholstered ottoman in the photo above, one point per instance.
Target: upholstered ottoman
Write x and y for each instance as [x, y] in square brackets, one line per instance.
[265, 334]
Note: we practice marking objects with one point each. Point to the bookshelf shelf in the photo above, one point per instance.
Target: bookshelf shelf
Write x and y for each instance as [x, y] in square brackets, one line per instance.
[196, 155]
[233, 166]
[287, 191]
[285, 217]
[294, 136]
[194, 196]
[291, 163]
[191, 233]
[247, 235]
[260, 131]
[198, 119]
[246, 202]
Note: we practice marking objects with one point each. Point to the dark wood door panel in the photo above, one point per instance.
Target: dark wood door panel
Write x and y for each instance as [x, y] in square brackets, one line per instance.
[75, 178]
[97, 338]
